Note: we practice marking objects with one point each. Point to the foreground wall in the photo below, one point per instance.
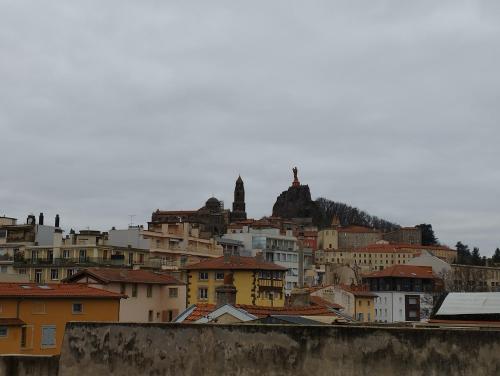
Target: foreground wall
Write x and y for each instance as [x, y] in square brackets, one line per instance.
[181, 349]
[21, 365]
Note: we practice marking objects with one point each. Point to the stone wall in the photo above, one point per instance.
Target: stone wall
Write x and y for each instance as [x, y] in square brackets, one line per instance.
[20, 365]
[182, 349]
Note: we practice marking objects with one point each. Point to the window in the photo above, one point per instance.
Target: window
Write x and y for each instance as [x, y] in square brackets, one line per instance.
[48, 336]
[70, 272]
[54, 274]
[123, 288]
[4, 332]
[150, 316]
[66, 254]
[77, 308]
[3, 269]
[219, 276]
[368, 303]
[149, 292]
[359, 303]
[203, 276]
[203, 293]
[23, 336]
[412, 301]
[134, 290]
[173, 292]
[21, 271]
[38, 308]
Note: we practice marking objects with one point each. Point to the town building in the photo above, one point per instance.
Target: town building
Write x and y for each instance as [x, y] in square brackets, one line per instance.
[404, 235]
[358, 303]
[405, 292]
[257, 282]
[382, 255]
[64, 256]
[473, 278]
[152, 296]
[278, 248]
[33, 317]
[177, 244]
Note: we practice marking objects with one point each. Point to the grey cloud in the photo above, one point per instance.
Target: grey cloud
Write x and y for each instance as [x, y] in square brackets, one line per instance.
[117, 108]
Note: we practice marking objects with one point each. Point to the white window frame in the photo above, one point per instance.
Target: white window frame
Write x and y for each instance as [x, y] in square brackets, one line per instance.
[48, 346]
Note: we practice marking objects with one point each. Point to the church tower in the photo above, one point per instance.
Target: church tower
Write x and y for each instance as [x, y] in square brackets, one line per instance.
[239, 213]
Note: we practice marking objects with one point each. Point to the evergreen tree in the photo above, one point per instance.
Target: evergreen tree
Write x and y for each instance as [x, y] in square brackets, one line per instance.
[464, 257]
[496, 256]
[428, 236]
[476, 257]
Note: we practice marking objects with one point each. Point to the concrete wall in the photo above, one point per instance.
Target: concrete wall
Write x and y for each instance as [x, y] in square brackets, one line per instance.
[19, 365]
[181, 349]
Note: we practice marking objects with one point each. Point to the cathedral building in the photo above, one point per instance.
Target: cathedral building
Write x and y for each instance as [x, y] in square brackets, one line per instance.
[212, 218]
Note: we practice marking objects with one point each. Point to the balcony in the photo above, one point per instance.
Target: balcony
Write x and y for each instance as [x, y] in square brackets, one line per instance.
[63, 262]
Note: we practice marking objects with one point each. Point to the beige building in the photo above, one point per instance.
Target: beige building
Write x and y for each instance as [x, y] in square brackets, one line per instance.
[472, 278]
[65, 256]
[405, 235]
[381, 255]
[352, 237]
[177, 244]
[151, 296]
[328, 239]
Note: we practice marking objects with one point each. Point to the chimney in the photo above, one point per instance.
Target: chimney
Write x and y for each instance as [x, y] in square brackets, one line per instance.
[227, 256]
[40, 219]
[57, 221]
[226, 293]
[300, 297]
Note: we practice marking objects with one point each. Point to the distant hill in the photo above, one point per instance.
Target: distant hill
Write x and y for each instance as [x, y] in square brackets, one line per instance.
[349, 215]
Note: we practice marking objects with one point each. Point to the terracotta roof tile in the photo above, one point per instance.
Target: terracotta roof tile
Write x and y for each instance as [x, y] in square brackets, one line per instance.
[317, 300]
[108, 275]
[404, 271]
[54, 290]
[202, 310]
[11, 322]
[235, 263]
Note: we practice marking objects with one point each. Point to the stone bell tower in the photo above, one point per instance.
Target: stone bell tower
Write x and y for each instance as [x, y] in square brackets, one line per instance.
[239, 213]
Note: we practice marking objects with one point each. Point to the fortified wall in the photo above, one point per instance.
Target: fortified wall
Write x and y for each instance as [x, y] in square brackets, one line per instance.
[182, 349]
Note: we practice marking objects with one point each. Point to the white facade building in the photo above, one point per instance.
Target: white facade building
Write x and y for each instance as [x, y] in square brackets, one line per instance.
[277, 248]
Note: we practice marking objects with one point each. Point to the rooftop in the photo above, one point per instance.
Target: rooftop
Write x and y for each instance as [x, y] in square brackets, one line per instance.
[235, 263]
[202, 310]
[54, 290]
[404, 271]
[107, 275]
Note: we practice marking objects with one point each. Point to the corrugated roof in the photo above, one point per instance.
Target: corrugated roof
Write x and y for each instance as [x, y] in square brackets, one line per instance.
[470, 303]
[54, 290]
[235, 263]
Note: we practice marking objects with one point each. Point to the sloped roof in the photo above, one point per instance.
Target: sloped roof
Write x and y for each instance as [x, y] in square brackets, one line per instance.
[11, 322]
[317, 300]
[55, 290]
[199, 311]
[107, 275]
[399, 248]
[470, 303]
[404, 271]
[235, 263]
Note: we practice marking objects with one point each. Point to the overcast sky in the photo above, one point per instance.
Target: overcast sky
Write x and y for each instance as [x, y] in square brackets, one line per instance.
[112, 108]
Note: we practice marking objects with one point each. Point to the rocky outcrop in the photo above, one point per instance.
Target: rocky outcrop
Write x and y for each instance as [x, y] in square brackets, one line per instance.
[296, 202]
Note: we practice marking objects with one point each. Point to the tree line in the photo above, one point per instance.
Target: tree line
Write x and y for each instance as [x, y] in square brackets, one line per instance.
[467, 257]
[348, 215]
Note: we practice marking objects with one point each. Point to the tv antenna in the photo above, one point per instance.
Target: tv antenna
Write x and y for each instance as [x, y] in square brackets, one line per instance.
[131, 219]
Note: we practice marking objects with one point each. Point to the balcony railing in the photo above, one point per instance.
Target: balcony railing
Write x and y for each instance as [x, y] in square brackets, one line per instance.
[87, 261]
